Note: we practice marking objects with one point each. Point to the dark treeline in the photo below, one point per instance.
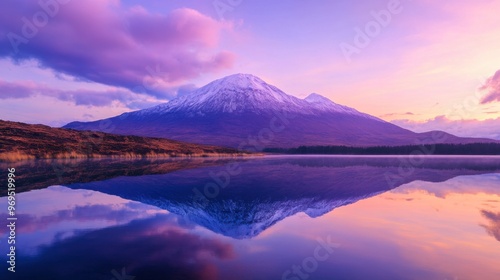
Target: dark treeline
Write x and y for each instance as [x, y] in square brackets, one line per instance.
[437, 149]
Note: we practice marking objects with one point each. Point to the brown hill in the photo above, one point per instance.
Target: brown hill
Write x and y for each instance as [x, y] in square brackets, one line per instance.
[20, 141]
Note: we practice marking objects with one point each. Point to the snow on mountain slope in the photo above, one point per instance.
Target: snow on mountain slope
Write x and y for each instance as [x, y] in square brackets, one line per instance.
[324, 104]
[233, 94]
[241, 93]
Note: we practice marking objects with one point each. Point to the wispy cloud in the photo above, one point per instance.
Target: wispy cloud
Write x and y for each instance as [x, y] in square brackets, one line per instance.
[489, 128]
[25, 89]
[397, 114]
[492, 88]
[493, 228]
[104, 42]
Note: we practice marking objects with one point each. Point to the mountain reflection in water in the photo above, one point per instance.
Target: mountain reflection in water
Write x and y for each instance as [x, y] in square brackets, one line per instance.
[437, 221]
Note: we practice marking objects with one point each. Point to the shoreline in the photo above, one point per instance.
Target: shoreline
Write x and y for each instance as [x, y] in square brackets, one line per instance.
[376, 156]
[4, 160]
[16, 157]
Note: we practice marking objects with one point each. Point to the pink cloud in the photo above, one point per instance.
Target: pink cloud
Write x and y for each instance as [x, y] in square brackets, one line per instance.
[492, 87]
[105, 42]
[183, 26]
[489, 128]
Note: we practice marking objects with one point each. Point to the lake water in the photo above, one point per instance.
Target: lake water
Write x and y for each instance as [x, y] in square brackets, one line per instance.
[283, 217]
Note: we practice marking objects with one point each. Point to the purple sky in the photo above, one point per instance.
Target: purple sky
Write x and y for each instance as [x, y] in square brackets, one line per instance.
[420, 63]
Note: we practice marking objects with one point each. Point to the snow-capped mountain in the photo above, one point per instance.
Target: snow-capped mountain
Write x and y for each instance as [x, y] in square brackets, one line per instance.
[242, 93]
[234, 94]
[245, 112]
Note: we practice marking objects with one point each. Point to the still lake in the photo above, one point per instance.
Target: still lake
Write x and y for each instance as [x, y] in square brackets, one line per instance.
[273, 217]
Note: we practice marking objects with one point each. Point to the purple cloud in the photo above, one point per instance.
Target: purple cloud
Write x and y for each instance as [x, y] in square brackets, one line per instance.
[105, 42]
[24, 89]
[146, 247]
[493, 228]
[492, 86]
[16, 89]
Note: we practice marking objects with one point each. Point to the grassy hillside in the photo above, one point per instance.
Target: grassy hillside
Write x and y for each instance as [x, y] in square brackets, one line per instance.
[20, 141]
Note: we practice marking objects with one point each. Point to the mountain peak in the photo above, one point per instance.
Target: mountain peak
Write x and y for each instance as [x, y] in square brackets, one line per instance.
[238, 93]
[241, 77]
[320, 102]
[241, 81]
[324, 104]
[317, 98]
